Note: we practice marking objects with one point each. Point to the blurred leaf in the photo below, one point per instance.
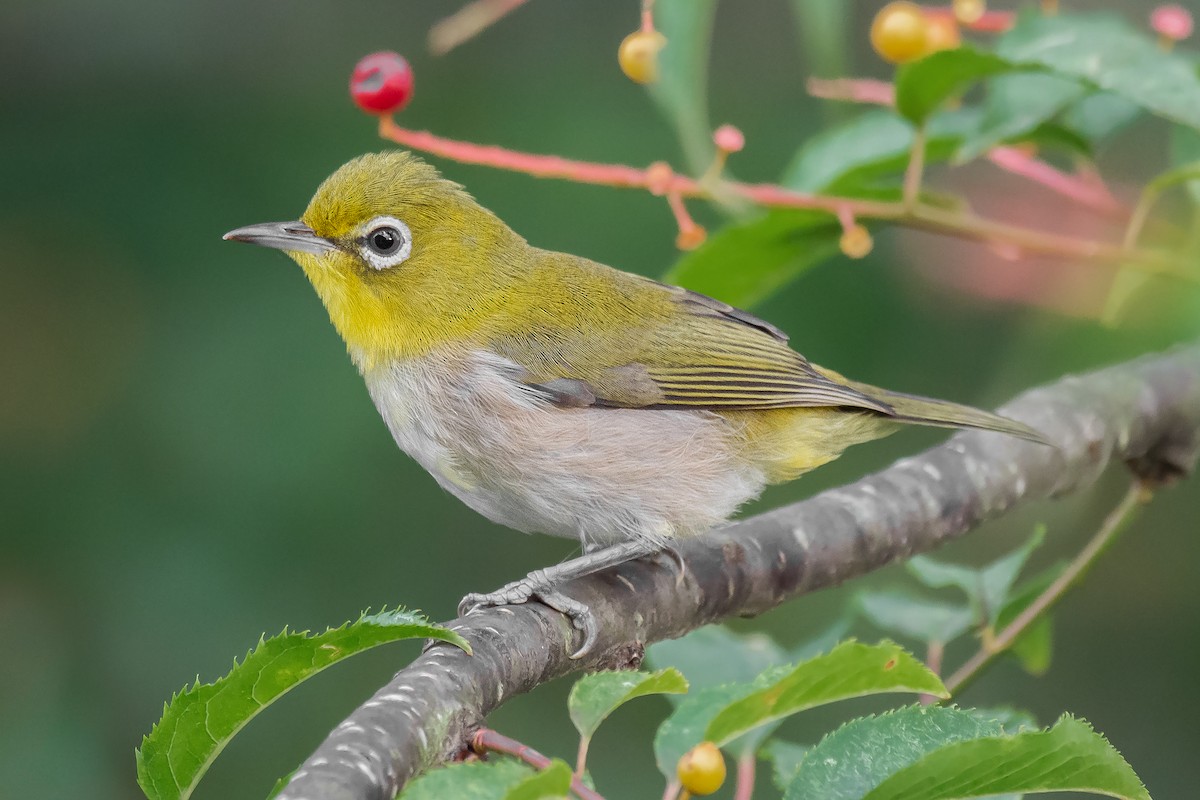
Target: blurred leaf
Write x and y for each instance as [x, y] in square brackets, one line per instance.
[681, 90]
[745, 262]
[548, 784]
[873, 144]
[1033, 649]
[854, 759]
[471, 780]
[1185, 149]
[824, 28]
[988, 587]
[904, 613]
[715, 655]
[1100, 115]
[1126, 284]
[822, 641]
[1106, 51]
[595, 696]
[1017, 104]
[200, 721]
[785, 758]
[1068, 757]
[1102, 50]
[685, 728]
[850, 670]
[922, 86]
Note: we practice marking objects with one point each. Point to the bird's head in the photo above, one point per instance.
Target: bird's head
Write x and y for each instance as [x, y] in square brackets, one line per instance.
[403, 259]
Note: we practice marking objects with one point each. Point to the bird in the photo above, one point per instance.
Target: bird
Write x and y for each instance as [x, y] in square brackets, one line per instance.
[557, 395]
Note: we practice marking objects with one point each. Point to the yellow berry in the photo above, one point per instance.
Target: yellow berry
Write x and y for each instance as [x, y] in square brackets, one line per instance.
[856, 241]
[638, 55]
[691, 237]
[899, 32]
[702, 769]
[968, 12]
[942, 34]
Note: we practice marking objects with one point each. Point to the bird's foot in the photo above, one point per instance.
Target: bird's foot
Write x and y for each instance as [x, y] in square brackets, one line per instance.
[536, 586]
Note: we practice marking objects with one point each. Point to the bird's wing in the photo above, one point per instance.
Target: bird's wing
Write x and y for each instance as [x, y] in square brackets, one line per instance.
[690, 352]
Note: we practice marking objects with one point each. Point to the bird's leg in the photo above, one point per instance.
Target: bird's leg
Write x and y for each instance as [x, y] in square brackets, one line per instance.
[540, 583]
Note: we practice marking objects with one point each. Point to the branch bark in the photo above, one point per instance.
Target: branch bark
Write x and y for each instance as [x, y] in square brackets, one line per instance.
[1145, 413]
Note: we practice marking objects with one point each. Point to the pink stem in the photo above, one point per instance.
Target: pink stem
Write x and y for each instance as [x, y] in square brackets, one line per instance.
[1084, 189]
[486, 739]
[990, 22]
[745, 777]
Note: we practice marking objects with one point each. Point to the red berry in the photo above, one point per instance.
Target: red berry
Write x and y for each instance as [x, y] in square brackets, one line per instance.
[381, 83]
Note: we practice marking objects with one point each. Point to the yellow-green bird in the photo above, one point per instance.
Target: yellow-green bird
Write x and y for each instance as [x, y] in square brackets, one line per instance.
[557, 395]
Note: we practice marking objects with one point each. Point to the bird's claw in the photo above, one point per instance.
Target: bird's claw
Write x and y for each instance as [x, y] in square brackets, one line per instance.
[524, 590]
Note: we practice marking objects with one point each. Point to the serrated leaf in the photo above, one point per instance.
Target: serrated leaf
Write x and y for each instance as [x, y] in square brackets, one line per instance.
[988, 587]
[745, 262]
[876, 143]
[1068, 757]
[854, 759]
[851, 669]
[904, 613]
[470, 780]
[199, 721]
[785, 758]
[548, 784]
[594, 697]
[715, 655]
[685, 728]
[681, 90]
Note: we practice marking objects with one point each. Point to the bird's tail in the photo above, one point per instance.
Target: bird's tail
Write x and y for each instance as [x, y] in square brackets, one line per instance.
[942, 413]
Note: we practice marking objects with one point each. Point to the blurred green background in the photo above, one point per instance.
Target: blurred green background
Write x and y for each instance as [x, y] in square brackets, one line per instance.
[188, 459]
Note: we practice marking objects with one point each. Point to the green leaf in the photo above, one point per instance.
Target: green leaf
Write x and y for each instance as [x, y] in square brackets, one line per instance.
[987, 588]
[1033, 648]
[876, 143]
[1100, 50]
[1185, 149]
[548, 784]
[785, 758]
[685, 728]
[594, 697]
[1105, 51]
[681, 90]
[1068, 757]
[850, 670]
[471, 780]
[200, 721]
[1017, 104]
[715, 655]
[857, 757]
[922, 86]
[746, 262]
[906, 614]
[1100, 115]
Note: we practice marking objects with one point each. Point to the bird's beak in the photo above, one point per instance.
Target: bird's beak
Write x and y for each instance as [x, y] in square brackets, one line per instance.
[294, 237]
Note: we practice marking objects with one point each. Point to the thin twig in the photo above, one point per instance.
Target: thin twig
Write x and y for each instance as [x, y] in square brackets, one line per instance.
[1117, 520]
[747, 763]
[934, 651]
[581, 756]
[952, 223]
[467, 23]
[486, 739]
[915, 170]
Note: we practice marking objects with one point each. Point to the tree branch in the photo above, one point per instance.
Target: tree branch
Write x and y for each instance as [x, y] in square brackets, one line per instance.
[1146, 413]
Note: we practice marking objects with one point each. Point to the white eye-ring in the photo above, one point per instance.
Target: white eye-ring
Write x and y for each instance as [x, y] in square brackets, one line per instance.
[387, 242]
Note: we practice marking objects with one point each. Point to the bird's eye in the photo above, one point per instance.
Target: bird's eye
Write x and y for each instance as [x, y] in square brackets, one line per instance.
[386, 243]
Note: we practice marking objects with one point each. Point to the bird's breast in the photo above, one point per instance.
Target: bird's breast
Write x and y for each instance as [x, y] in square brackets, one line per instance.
[598, 474]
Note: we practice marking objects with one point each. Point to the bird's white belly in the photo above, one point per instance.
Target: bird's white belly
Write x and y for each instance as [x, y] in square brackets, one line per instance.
[602, 475]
